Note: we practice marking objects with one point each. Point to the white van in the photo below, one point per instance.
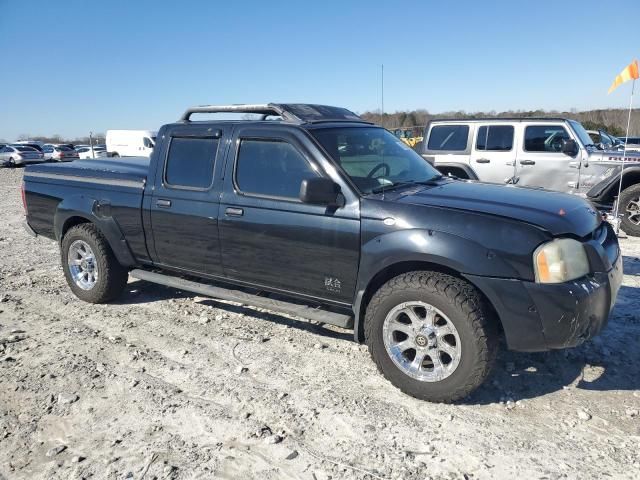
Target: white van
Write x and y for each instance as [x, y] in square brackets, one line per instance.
[130, 143]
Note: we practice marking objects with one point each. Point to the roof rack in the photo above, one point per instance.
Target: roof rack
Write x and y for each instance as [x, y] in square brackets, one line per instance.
[289, 112]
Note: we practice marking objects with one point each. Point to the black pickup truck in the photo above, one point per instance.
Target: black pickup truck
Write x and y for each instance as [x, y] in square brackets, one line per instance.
[311, 211]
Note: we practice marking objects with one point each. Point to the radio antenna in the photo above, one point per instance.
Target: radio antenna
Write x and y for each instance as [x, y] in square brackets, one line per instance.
[382, 115]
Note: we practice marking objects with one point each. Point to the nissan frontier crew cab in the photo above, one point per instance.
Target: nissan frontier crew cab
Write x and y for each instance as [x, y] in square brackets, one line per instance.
[313, 212]
[553, 153]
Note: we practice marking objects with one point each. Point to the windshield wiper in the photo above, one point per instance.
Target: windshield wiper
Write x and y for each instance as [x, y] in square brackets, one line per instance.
[384, 188]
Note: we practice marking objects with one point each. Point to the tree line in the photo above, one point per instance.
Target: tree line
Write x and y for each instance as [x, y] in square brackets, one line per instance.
[612, 120]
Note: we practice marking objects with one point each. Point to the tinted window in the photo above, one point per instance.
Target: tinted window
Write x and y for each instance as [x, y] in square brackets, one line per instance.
[26, 149]
[270, 167]
[544, 138]
[63, 148]
[497, 138]
[448, 137]
[48, 149]
[190, 162]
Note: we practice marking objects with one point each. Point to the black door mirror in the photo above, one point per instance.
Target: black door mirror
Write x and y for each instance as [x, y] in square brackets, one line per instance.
[320, 191]
[570, 147]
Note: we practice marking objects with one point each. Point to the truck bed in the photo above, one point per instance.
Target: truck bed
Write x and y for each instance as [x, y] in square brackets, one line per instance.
[110, 189]
[131, 169]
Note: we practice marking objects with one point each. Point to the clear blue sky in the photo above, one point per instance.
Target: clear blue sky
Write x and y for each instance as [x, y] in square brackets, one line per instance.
[74, 66]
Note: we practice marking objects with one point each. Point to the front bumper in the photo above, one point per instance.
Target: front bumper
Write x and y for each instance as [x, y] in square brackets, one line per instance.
[537, 317]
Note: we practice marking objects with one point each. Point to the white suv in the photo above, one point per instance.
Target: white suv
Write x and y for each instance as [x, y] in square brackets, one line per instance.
[552, 153]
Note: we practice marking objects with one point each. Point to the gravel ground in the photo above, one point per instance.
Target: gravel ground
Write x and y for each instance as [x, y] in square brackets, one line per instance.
[165, 384]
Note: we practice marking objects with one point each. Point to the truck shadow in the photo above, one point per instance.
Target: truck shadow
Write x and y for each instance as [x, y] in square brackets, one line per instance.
[607, 362]
[141, 291]
[631, 265]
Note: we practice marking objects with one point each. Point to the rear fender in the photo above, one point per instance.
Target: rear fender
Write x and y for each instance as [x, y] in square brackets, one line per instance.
[98, 213]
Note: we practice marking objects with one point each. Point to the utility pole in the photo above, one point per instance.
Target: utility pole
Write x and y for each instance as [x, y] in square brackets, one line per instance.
[93, 155]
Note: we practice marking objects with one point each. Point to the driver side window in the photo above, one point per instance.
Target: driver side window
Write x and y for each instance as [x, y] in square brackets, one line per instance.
[545, 138]
[271, 168]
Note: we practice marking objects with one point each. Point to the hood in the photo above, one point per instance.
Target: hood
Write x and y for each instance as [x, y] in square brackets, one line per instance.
[558, 213]
[616, 155]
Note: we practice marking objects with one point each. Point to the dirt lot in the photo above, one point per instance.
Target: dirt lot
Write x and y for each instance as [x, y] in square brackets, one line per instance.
[165, 384]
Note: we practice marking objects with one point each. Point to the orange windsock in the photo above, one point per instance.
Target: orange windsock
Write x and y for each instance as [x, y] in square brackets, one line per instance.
[629, 73]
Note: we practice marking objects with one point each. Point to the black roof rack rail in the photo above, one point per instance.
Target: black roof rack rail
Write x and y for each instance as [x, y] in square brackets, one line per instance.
[289, 112]
[266, 109]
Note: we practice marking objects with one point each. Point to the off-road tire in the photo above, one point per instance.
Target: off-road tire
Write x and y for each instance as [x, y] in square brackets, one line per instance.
[466, 309]
[628, 194]
[112, 277]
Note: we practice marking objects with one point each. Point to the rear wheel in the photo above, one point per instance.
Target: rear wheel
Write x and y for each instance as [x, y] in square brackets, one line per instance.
[431, 335]
[90, 267]
[630, 208]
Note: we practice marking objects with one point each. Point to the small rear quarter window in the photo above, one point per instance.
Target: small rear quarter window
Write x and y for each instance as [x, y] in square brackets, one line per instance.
[190, 162]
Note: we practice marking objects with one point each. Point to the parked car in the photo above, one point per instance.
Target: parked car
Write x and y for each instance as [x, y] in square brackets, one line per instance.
[88, 152]
[130, 143]
[603, 141]
[59, 153]
[633, 143]
[35, 146]
[325, 216]
[553, 153]
[12, 155]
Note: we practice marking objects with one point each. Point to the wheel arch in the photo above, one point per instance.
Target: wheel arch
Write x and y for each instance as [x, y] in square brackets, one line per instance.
[459, 170]
[399, 268]
[66, 218]
[605, 191]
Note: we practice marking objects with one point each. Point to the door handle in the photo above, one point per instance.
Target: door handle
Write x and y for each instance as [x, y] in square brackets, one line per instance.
[234, 212]
[483, 160]
[527, 162]
[161, 202]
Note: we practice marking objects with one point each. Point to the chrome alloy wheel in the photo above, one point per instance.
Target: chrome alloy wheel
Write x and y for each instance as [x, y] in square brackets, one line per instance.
[421, 341]
[82, 265]
[633, 210]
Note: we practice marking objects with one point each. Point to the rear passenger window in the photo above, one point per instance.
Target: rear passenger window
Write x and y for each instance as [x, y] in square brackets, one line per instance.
[190, 162]
[271, 168]
[448, 137]
[544, 138]
[497, 138]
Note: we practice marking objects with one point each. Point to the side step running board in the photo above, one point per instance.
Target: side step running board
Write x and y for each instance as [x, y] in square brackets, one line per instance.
[305, 311]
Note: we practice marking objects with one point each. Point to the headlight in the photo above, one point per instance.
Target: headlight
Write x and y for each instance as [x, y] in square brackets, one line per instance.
[559, 261]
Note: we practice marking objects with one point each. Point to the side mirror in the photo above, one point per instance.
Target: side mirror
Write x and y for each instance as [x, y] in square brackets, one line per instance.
[320, 191]
[570, 147]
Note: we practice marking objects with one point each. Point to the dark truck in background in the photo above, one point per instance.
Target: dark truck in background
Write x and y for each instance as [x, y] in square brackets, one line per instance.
[313, 212]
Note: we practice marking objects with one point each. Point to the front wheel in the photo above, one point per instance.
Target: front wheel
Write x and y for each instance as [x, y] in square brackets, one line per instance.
[90, 267]
[431, 335]
[630, 207]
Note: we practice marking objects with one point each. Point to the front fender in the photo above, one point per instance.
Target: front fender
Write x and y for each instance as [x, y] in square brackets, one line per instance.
[452, 252]
[99, 213]
[604, 191]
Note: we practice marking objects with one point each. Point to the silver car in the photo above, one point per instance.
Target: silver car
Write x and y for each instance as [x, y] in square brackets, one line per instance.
[59, 153]
[12, 155]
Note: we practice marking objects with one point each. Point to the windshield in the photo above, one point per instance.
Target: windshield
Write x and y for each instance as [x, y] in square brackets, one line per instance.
[374, 158]
[584, 137]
